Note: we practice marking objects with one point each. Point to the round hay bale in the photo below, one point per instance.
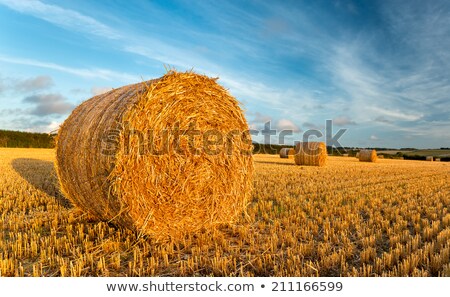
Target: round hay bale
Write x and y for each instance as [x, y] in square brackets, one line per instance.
[287, 153]
[291, 153]
[164, 157]
[438, 159]
[430, 158]
[368, 155]
[311, 154]
[357, 155]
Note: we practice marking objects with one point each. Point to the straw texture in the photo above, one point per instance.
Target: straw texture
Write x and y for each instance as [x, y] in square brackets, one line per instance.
[368, 155]
[129, 157]
[287, 153]
[311, 154]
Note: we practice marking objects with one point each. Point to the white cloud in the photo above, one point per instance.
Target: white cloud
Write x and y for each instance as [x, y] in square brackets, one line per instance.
[30, 123]
[105, 74]
[66, 18]
[34, 84]
[258, 117]
[3, 86]
[285, 124]
[48, 104]
[373, 137]
[20, 85]
[343, 121]
[284, 102]
[44, 127]
[312, 126]
[395, 114]
[100, 90]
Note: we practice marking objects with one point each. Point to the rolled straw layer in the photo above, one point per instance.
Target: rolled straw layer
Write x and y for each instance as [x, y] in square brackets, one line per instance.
[164, 157]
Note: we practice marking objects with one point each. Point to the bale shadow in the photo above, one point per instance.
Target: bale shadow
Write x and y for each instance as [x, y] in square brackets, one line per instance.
[277, 163]
[42, 176]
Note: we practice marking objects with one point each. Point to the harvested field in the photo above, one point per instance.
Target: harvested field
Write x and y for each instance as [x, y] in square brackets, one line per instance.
[348, 218]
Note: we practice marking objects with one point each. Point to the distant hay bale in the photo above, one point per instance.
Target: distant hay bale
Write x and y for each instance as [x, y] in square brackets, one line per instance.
[344, 155]
[368, 155]
[311, 154]
[357, 155]
[128, 156]
[284, 153]
[430, 158]
[287, 153]
[380, 156]
[438, 159]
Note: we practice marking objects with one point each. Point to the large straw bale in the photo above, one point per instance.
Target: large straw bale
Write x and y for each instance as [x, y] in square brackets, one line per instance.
[143, 156]
[311, 153]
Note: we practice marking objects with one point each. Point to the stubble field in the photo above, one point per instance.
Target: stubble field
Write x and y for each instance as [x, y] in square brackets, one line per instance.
[390, 218]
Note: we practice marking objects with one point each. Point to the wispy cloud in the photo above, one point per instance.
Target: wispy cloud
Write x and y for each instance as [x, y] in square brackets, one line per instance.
[81, 72]
[386, 68]
[186, 57]
[311, 126]
[62, 17]
[48, 104]
[99, 90]
[28, 124]
[395, 114]
[3, 86]
[25, 85]
[293, 101]
[258, 117]
[382, 119]
[378, 93]
[127, 41]
[33, 84]
[343, 121]
[285, 124]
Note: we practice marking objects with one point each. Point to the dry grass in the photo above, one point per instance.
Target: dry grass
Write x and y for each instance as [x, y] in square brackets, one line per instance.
[160, 178]
[349, 218]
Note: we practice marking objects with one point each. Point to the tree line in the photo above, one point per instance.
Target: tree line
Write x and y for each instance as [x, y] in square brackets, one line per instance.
[26, 139]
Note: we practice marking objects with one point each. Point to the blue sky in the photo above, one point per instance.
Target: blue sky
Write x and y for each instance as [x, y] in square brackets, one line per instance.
[381, 69]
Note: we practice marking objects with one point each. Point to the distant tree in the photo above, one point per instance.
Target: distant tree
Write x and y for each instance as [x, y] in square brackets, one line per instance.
[3, 141]
[26, 139]
[273, 149]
